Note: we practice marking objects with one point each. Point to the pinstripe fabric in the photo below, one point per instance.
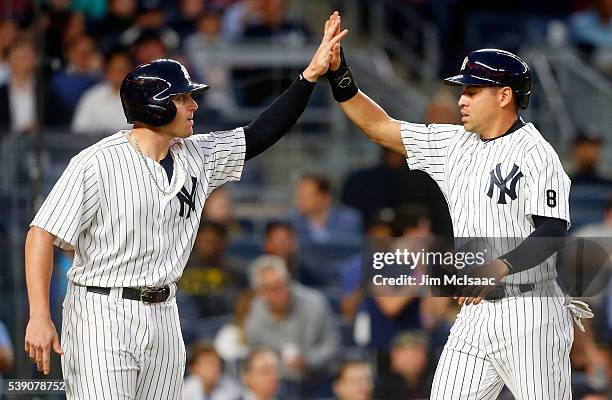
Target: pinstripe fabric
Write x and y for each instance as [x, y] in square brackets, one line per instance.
[126, 233]
[461, 164]
[121, 349]
[521, 342]
[493, 188]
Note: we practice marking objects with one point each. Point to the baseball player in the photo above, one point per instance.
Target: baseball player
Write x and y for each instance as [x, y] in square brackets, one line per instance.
[501, 179]
[129, 207]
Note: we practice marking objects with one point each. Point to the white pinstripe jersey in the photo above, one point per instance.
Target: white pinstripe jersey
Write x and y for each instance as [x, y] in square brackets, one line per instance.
[124, 231]
[493, 187]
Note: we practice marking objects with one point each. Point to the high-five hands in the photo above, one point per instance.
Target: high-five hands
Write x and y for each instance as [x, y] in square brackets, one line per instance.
[329, 47]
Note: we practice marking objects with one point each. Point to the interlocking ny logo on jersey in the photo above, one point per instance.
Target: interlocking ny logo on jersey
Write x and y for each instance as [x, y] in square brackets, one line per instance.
[498, 180]
[187, 198]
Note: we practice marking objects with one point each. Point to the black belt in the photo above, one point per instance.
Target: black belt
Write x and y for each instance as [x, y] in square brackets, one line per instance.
[148, 295]
[502, 291]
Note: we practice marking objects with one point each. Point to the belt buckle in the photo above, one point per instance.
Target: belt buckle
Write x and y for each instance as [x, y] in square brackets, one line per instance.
[147, 295]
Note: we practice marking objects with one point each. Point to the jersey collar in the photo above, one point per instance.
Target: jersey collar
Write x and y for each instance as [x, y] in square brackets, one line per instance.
[518, 124]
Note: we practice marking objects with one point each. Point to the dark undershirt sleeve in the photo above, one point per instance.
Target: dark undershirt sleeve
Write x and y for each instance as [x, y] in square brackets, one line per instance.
[544, 241]
[276, 120]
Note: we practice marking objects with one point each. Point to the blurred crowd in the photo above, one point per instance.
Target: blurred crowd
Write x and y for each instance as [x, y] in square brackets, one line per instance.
[275, 307]
[62, 65]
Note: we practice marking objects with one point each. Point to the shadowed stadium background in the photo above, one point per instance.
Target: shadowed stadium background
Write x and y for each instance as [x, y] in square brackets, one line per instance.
[62, 61]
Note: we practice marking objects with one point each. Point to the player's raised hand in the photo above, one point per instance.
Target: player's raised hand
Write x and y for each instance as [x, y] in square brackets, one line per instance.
[40, 338]
[334, 64]
[330, 44]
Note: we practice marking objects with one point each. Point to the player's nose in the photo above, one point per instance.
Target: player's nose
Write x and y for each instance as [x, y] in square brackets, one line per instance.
[193, 105]
[462, 102]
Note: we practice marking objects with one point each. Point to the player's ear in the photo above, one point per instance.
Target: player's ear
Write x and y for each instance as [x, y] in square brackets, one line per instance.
[504, 96]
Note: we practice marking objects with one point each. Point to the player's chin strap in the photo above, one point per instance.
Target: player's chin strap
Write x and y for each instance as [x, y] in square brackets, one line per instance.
[579, 309]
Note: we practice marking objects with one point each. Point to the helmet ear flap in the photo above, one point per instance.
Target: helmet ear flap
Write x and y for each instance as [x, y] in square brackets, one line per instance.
[522, 92]
[161, 114]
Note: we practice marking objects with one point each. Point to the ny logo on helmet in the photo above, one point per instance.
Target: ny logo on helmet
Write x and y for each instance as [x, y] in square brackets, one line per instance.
[498, 180]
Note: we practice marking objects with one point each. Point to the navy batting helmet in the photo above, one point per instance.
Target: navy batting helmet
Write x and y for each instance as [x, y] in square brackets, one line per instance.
[147, 90]
[493, 67]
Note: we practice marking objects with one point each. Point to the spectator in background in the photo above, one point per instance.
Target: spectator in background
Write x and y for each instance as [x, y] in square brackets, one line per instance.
[379, 314]
[237, 16]
[75, 28]
[280, 241]
[591, 30]
[219, 208]
[230, 341]
[295, 321]
[586, 152]
[274, 25]
[586, 392]
[407, 377]
[67, 85]
[392, 184]
[148, 46]
[392, 312]
[93, 9]
[18, 96]
[354, 381]
[9, 31]
[373, 188]
[316, 219]
[589, 187]
[53, 21]
[212, 279]
[442, 108]
[260, 375]
[151, 17]
[601, 229]
[120, 17]
[352, 295]
[184, 21]
[596, 341]
[99, 110]
[197, 47]
[206, 379]
[256, 85]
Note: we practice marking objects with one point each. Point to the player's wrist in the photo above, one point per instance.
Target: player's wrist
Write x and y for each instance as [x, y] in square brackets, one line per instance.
[310, 75]
[342, 82]
[40, 315]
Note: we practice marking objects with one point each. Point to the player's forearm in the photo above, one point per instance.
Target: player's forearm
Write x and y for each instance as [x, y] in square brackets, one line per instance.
[374, 121]
[543, 242]
[276, 120]
[38, 268]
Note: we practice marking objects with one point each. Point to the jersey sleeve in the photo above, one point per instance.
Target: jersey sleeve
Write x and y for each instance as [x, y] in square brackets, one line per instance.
[548, 186]
[427, 147]
[72, 203]
[223, 153]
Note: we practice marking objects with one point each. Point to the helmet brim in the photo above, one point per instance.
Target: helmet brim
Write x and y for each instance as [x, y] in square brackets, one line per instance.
[460, 80]
[193, 88]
